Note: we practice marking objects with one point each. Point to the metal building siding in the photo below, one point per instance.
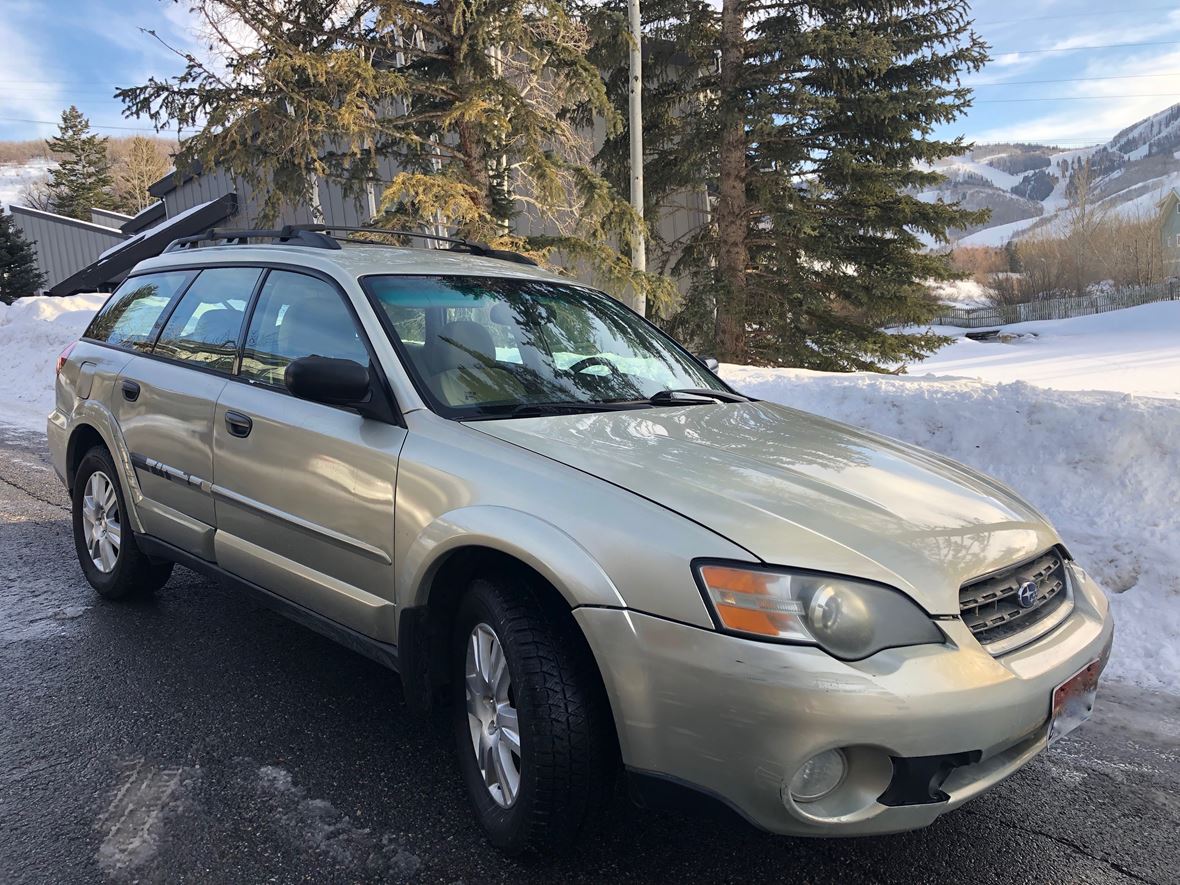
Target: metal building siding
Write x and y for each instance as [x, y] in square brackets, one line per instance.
[215, 183]
[689, 211]
[63, 245]
[108, 218]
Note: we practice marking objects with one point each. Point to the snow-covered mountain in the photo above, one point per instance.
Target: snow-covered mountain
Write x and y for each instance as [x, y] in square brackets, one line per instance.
[1027, 186]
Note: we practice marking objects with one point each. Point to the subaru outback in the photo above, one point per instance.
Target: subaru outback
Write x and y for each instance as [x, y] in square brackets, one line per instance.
[568, 534]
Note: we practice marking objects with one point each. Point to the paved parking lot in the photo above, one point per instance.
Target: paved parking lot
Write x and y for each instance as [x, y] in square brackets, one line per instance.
[199, 738]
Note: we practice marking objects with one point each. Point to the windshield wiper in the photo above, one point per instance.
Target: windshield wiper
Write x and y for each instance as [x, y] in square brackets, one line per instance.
[536, 410]
[690, 395]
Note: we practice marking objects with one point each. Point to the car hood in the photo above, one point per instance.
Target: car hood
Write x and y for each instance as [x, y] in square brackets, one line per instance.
[798, 490]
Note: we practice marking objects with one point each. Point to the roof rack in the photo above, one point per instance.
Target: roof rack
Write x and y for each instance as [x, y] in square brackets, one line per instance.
[320, 236]
[458, 244]
[295, 234]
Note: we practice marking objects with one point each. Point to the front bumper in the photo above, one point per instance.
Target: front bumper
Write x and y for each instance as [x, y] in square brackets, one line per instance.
[736, 718]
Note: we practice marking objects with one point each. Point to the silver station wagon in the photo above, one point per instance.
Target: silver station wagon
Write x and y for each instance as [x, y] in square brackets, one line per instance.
[571, 538]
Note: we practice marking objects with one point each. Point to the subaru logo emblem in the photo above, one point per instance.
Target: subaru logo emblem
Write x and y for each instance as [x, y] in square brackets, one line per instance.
[1027, 594]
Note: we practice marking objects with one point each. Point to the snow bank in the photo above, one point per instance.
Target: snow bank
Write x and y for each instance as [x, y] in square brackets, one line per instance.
[1136, 350]
[1104, 467]
[33, 331]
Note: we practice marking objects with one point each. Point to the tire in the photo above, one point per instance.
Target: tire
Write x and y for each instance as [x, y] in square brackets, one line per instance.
[107, 552]
[568, 755]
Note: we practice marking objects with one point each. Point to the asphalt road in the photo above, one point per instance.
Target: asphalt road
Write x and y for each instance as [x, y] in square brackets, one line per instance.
[199, 738]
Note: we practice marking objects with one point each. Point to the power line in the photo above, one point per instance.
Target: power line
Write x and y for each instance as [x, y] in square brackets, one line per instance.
[1078, 97]
[1073, 79]
[92, 125]
[1037, 18]
[1083, 48]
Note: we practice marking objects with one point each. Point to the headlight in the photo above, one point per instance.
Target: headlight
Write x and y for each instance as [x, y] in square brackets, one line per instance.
[848, 618]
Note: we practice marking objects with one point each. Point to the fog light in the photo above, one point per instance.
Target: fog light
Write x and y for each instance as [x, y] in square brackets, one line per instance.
[819, 776]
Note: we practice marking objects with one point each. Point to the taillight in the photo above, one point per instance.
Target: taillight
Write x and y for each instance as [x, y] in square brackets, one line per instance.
[63, 356]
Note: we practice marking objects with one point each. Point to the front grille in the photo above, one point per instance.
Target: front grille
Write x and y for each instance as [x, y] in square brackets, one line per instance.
[991, 607]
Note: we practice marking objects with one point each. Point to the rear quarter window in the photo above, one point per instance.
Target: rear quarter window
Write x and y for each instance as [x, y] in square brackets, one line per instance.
[129, 317]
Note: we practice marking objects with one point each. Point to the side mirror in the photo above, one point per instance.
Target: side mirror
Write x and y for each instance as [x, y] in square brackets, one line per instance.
[710, 363]
[330, 381]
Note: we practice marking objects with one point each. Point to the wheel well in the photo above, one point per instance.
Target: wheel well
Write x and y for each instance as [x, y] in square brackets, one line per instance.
[425, 632]
[82, 440]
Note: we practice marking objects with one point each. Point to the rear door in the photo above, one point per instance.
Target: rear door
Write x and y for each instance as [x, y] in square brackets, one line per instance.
[304, 491]
[164, 405]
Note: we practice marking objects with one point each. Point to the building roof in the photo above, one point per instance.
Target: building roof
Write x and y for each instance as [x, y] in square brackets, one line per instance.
[115, 263]
[145, 218]
[174, 179]
[66, 220]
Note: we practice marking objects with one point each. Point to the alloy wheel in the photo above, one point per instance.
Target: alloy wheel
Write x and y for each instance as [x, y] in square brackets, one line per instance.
[101, 524]
[491, 715]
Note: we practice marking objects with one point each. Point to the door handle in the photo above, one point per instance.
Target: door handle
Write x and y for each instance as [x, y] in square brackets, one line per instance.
[238, 424]
[131, 391]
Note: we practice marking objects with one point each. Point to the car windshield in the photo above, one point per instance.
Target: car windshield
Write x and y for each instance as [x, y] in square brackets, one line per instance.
[490, 346]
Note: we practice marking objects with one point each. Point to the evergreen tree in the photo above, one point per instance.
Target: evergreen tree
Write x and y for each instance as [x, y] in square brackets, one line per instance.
[810, 129]
[848, 93]
[473, 105]
[19, 275]
[82, 179]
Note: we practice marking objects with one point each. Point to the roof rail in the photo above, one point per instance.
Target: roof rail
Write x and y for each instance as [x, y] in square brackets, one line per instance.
[458, 244]
[320, 236]
[295, 234]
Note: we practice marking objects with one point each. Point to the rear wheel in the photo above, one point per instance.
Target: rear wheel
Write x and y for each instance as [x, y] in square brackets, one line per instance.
[531, 721]
[107, 551]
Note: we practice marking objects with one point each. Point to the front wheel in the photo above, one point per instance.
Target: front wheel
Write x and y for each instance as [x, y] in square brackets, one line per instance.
[531, 720]
[107, 552]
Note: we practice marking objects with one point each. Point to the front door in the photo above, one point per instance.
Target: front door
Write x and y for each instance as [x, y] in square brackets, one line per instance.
[305, 492]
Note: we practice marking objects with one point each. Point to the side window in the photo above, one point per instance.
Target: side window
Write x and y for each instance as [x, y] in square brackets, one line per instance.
[296, 316]
[204, 327]
[129, 317]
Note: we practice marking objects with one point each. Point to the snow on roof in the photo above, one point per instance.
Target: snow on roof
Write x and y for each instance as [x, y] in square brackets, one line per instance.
[155, 229]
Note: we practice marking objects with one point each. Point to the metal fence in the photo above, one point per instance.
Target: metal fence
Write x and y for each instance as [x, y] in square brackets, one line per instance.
[1058, 308]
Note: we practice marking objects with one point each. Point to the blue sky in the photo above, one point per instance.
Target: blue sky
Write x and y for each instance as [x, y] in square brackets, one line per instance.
[1048, 81]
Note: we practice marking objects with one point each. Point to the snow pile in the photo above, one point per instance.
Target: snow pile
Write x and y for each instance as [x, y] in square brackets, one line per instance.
[961, 293]
[33, 331]
[1136, 350]
[1104, 468]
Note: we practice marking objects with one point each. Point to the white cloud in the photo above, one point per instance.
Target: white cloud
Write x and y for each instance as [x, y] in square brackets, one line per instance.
[1150, 32]
[1108, 105]
[20, 62]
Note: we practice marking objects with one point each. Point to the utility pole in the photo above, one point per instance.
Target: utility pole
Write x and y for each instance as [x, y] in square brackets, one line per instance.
[635, 130]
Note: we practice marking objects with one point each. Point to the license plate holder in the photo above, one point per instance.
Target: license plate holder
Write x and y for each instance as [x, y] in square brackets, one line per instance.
[1073, 701]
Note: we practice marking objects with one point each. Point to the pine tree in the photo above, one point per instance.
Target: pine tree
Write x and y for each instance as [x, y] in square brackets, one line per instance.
[811, 129]
[472, 105]
[19, 275]
[82, 179]
[144, 164]
[839, 144]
